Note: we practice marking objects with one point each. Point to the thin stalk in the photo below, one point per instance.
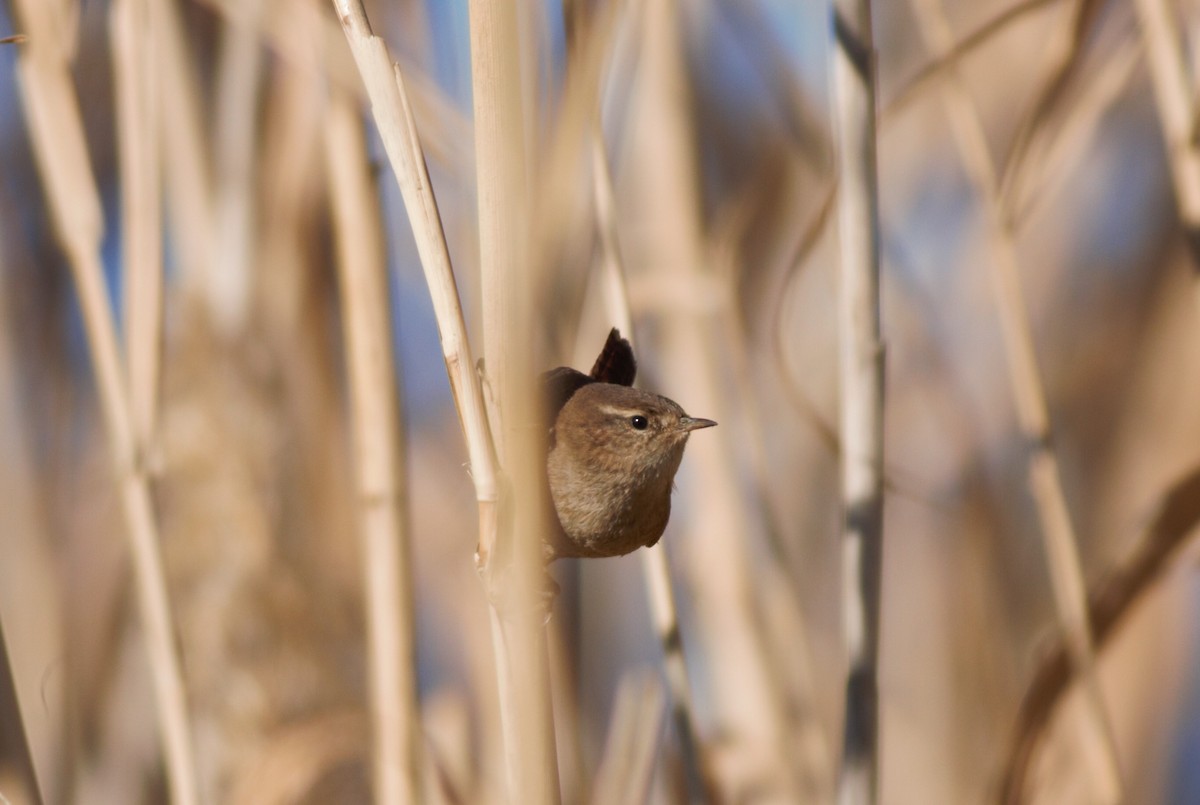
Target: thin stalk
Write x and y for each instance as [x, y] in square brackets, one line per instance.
[57, 133]
[1173, 93]
[1058, 533]
[625, 771]
[186, 170]
[137, 143]
[379, 445]
[656, 572]
[393, 117]
[227, 289]
[861, 393]
[747, 708]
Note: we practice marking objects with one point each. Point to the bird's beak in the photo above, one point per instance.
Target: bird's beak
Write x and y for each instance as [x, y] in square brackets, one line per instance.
[689, 423]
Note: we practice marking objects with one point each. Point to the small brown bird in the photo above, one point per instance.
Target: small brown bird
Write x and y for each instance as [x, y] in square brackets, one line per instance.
[613, 454]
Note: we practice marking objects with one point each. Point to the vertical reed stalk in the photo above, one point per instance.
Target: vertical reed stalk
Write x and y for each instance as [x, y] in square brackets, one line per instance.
[1045, 480]
[188, 186]
[509, 289]
[746, 706]
[861, 393]
[379, 444]
[520, 650]
[59, 146]
[137, 145]
[656, 572]
[228, 287]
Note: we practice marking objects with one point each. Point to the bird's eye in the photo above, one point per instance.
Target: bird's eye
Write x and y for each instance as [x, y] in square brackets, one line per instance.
[639, 422]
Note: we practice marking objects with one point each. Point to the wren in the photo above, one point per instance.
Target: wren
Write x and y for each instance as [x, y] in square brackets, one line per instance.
[613, 454]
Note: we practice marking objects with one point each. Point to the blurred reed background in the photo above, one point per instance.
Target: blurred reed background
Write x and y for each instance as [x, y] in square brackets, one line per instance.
[218, 157]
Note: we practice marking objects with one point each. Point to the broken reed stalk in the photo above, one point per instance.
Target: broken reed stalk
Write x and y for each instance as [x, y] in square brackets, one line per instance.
[56, 132]
[509, 293]
[656, 572]
[1171, 77]
[1045, 480]
[379, 449]
[861, 393]
[137, 145]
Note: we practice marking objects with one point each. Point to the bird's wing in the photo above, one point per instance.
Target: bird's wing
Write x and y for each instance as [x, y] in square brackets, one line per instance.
[616, 363]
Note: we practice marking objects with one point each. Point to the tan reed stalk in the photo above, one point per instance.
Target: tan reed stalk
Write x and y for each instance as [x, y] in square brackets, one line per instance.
[137, 144]
[32, 597]
[501, 177]
[1059, 56]
[1055, 154]
[288, 28]
[518, 645]
[239, 71]
[915, 86]
[1174, 94]
[861, 393]
[509, 290]
[393, 117]
[747, 708]
[1058, 533]
[626, 769]
[185, 160]
[656, 572]
[379, 444]
[56, 132]
[1161, 547]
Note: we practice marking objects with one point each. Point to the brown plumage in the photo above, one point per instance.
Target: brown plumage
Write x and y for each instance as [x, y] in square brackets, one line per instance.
[614, 451]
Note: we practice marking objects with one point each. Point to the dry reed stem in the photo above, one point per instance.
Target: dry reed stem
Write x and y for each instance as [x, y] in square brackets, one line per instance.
[656, 572]
[137, 144]
[634, 733]
[1058, 534]
[186, 170]
[554, 200]
[379, 444]
[393, 117]
[519, 646]
[746, 704]
[32, 597]
[1059, 59]
[1160, 547]
[781, 610]
[500, 181]
[56, 132]
[937, 68]
[228, 287]
[509, 292]
[861, 393]
[288, 27]
[1173, 93]
[1056, 153]
[614, 283]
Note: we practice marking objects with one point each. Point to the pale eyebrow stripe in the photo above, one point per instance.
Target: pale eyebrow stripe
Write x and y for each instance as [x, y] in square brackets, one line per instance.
[610, 409]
